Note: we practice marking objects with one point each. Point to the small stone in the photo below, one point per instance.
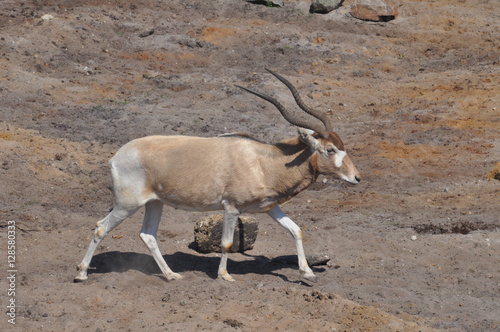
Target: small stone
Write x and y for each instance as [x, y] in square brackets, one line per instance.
[413, 238]
[324, 6]
[374, 10]
[312, 260]
[208, 234]
[47, 17]
[147, 33]
[319, 259]
[59, 156]
[279, 3]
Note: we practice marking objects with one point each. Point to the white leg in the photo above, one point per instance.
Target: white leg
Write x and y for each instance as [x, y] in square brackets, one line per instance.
[277, 214]
[104, 226]
[149, 229]
[231, 215]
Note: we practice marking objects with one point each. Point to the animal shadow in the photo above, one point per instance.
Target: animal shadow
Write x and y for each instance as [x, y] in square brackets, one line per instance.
[116, 261]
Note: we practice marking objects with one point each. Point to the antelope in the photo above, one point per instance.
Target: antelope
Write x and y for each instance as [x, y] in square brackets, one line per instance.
[231, 172]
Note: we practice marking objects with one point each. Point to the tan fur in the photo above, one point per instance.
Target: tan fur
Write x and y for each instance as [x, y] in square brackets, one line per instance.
[196, 173]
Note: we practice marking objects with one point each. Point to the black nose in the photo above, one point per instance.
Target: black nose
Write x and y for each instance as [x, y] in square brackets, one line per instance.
[357, 178]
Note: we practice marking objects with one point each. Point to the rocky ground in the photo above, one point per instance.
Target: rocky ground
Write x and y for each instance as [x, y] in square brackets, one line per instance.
[414, 247]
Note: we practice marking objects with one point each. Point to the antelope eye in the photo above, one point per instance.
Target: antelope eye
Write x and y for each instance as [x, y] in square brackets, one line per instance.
[330, 149]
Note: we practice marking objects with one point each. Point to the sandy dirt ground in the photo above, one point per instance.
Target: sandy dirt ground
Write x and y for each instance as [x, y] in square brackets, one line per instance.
[414, 247]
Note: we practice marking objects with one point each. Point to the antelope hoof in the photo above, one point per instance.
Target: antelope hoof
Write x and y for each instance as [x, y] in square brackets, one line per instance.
[310, 276]
[82, 276]
[225, 276]
[174, 276]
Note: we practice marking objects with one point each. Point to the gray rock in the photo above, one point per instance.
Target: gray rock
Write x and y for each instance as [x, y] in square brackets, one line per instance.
[318, 259]
[312, 260]
[208, 234]
[147, 33]
[324, 6]
[279, 3]
[269, 3]
[374, 10]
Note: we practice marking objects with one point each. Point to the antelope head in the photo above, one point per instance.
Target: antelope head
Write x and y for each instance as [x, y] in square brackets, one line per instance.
[331, 158]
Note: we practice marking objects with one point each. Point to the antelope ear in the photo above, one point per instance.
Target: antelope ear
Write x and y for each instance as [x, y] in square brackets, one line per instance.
[313, 143]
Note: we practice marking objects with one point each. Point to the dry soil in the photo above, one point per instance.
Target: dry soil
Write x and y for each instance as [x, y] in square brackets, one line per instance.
[414, 247]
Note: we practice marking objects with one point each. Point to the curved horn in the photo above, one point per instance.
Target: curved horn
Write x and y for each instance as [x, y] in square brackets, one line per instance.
[317, 114]
[286, 114]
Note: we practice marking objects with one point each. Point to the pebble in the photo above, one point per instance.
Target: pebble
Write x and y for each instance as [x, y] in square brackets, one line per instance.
[47, 17]
[319, 259]
[414, 238]
[147, 33]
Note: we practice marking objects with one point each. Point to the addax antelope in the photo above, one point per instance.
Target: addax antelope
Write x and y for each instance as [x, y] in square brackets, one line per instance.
[231, 172]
